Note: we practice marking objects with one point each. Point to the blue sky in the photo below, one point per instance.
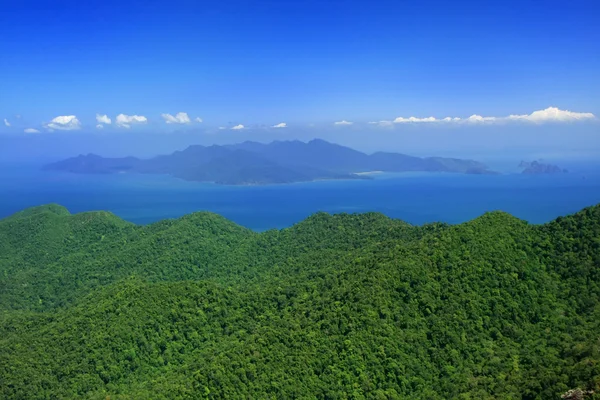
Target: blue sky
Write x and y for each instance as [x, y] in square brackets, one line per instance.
[306, 64]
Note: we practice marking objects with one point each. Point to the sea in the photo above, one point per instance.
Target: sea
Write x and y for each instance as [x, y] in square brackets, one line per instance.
[416, 198]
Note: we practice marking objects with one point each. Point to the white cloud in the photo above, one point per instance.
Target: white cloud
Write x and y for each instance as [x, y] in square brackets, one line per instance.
[125, 121]
[550, 114]
[198, 119]
[222, 128]
[64, 123]
[280, 125]
[179, 118]
[343, 122]
[402, 120]
[553, 114]
[382, 123]
[238, 127]
[31, 130]
[103, 119]
[6, 122]
[99, 126]
[478, 118]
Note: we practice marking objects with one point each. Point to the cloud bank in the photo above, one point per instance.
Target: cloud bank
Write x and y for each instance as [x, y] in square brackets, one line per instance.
[103, 119]
[549, 115]
[125, 121]
[64, 123]
[553, 114]
[382, 123]
[545, 116]
[179, 118]
[402, 120]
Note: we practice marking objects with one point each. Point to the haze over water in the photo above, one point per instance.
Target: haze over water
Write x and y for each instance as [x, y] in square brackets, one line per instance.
[417, 198]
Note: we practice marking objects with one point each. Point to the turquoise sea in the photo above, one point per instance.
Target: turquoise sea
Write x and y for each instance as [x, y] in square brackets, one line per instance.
[413, 197]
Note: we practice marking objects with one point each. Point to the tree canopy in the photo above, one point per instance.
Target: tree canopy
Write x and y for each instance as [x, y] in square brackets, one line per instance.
[347, 306]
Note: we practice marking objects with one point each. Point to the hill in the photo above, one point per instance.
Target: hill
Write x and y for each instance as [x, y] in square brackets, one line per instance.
[539, 168]
[337, 306]
[252, 163]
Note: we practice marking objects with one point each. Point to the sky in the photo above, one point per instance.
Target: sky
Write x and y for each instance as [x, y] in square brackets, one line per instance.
[485, 78]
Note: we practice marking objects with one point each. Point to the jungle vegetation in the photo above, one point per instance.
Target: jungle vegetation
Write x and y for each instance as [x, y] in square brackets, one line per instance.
[336, 307]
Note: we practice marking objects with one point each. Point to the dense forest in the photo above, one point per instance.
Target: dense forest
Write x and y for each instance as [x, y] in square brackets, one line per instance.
[336, 307]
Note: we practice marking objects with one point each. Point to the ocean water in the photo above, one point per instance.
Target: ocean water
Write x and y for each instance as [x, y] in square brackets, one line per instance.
[417, 198]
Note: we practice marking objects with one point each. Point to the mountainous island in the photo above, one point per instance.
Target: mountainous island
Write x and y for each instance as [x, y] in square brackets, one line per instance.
[252, 163]
[348, 306]
[539, 168]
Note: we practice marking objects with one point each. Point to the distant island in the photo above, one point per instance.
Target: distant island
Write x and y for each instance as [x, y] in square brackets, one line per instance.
[252, 163]
[539, 168]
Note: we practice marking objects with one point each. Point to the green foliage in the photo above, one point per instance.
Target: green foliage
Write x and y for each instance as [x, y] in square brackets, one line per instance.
[336, 307]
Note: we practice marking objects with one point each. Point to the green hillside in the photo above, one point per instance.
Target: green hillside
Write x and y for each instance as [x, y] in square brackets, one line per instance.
[335, 307]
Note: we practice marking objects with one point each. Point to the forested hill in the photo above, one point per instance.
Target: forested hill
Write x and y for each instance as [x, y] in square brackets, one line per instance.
[252, 163]
[335, 307]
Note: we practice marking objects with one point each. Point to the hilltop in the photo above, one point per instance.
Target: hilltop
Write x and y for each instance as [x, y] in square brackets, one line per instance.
[336, 306]
[539, 168]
